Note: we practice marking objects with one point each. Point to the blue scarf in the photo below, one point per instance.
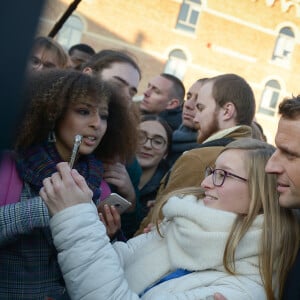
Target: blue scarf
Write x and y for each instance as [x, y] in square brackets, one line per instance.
[175, 274]
[38, 162]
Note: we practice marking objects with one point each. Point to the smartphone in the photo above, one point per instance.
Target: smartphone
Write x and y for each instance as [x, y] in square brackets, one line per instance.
[120, 203]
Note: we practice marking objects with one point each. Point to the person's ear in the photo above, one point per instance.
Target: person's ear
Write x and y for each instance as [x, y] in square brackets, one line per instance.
[88, 70]
[229, 111]
[173, 103]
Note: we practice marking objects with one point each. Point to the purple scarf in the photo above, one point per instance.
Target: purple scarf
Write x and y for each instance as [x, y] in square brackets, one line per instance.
[38, 162]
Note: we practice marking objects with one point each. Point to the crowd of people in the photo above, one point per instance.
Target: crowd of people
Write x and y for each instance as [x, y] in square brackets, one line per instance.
[214, 206]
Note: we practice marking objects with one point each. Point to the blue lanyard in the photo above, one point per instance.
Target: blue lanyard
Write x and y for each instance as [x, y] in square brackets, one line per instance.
[174, 274]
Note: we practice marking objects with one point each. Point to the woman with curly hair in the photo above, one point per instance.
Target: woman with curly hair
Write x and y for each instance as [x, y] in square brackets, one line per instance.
[229, 236]
[63, 104]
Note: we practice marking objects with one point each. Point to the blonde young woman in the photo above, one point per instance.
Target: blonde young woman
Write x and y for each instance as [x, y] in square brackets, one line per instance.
[230, 236]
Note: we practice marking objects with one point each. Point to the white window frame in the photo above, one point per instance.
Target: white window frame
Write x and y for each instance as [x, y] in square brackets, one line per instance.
[284, 46]
[192, 8]
[71, 32]
[176, 64]
[270, 98]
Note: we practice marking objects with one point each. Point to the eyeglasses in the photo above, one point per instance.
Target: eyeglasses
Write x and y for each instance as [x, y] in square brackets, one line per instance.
[219, 176]
[36, 62]
[157, 141]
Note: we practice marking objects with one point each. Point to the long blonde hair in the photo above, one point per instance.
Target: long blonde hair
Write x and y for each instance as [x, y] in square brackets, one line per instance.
[280, 232]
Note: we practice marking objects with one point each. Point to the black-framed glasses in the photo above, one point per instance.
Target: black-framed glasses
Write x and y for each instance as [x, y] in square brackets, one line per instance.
[219, 176]
[157, 142]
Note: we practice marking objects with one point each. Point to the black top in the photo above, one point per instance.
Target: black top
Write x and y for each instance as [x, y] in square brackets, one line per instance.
[173, 117]
[149, 190]
[291, 289]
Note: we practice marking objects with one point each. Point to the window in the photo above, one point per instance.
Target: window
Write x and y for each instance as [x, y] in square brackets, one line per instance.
[284, 46]
[70, 33]
[188, 15]
[270, 97]
[176, 64]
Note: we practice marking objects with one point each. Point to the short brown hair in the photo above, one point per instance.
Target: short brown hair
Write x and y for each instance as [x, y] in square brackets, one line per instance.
[235, 89]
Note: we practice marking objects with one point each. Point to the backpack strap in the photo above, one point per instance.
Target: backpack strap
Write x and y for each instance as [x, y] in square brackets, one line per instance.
[10, 182]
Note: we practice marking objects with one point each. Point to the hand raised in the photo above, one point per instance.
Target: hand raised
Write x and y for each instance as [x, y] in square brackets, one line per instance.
[64, 188]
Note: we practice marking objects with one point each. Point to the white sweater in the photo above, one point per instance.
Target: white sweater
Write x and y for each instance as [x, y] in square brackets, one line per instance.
[194, 239]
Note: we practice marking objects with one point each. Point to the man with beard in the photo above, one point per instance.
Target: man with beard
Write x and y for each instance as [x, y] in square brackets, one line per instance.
[225, 109]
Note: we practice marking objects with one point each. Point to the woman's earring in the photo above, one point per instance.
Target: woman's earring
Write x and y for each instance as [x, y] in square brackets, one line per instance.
[51, 137]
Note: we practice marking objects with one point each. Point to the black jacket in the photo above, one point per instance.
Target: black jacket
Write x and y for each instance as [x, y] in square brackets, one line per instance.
[291, 289]
[173, 117]
[149, 190]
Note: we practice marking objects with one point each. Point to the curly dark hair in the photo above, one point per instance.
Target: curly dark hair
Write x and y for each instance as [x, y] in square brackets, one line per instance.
[122, 127]
[290, 107]
[51, 92]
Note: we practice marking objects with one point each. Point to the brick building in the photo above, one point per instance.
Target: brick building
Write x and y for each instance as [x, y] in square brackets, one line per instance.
[257, 39]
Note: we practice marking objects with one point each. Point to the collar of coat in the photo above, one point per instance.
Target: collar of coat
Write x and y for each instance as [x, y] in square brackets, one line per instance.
[236, 131]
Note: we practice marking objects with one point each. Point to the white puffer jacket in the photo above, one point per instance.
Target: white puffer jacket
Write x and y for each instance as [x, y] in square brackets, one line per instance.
[194, 239]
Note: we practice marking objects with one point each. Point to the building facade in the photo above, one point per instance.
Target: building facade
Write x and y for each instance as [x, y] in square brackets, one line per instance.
[256, 39]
